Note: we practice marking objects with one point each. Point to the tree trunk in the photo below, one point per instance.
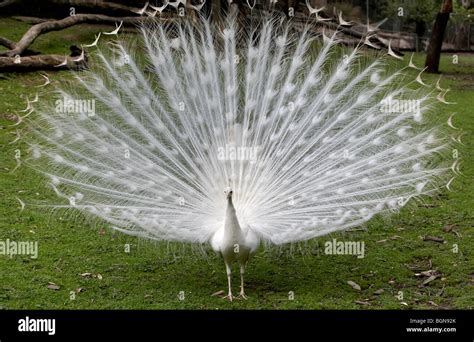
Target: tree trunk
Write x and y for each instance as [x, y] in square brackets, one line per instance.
[437, 36]
[420, 29]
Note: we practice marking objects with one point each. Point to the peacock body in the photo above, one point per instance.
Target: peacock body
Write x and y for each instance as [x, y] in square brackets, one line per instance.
[236, 136]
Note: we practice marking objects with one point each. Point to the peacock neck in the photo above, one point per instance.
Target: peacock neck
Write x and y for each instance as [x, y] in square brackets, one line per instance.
[231, 225]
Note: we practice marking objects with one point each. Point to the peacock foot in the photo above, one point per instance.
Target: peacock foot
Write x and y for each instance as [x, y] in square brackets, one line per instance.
[242, 296]
[229, 297]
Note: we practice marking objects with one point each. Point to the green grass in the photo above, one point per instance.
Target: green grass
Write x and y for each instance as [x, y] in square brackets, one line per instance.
[152, 274]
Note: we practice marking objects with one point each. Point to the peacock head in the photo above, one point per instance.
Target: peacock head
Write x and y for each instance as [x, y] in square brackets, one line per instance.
[228, 192]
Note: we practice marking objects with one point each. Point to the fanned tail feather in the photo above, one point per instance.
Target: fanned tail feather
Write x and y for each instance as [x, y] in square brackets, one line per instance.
[298, 131]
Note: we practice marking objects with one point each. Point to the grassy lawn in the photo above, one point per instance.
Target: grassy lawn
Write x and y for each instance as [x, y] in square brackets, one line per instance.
[90, 260]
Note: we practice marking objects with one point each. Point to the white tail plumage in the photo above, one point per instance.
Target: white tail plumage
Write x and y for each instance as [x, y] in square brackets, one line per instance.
[298, 132]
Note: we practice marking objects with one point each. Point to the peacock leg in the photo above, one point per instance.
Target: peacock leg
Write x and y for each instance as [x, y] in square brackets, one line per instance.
[229, 281]
[242, 292]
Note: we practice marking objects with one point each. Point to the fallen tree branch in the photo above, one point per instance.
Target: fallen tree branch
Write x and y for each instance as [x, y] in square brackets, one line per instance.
[9, 44]
[6, 3]
[97, 4]
[40, 62]
[30, 20]
[56, 25]
[104, 20]
[334, 26]
[375, 39]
